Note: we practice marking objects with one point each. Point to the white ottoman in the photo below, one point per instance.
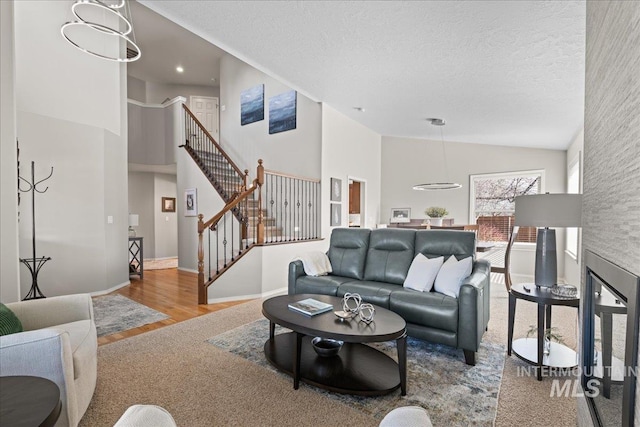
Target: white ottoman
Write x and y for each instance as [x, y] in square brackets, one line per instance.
[407, 416]
[146, 416]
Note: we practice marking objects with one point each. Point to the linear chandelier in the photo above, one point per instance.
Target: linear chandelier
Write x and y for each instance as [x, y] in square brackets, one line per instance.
[446, 184]
[98, 23]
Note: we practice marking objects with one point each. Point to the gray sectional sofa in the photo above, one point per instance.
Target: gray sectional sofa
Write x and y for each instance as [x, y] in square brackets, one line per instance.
[374, 263]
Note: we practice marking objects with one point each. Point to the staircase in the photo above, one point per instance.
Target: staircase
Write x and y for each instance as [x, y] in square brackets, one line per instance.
[289, 214]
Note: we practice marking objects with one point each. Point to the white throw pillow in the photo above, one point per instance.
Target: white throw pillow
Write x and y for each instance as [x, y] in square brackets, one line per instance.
[422, 273]
[452, 274]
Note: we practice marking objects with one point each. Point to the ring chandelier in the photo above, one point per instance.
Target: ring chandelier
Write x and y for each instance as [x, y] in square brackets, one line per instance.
[120, 10]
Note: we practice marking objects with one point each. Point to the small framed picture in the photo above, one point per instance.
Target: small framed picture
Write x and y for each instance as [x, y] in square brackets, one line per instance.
[400, 215]
[336, 190]
[190, 202]
[336, 215]
[168, 204]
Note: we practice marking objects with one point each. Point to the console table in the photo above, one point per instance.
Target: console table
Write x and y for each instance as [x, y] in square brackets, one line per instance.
[532, 350]
[136, 261]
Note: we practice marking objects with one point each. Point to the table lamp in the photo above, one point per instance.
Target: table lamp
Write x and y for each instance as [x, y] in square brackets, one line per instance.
[133, 222]
[548, 210]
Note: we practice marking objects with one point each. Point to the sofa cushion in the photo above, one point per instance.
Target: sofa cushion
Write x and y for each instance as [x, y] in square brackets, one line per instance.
[422, 273]
[426, 308]
[80, 335]
[348, 251]
[433, 243]
[324, 285]
[451, 275]
[372, 292]
[390, 254]
[9, 322]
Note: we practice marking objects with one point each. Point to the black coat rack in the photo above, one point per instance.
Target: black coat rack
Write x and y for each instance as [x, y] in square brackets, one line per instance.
[34, 264]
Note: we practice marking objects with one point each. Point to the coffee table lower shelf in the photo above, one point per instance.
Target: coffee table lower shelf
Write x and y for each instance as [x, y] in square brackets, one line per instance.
[357, 369]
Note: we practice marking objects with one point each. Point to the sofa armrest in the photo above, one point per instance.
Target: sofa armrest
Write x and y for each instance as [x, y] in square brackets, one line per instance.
[295, 270]
[42, 353]
[473, 306]
[46, 312]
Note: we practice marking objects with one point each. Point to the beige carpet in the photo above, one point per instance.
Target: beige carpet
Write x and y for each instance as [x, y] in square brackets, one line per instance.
[202, 385]
[160, 264]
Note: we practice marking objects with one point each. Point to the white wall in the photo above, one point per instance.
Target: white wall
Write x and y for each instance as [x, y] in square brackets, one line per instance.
[260, 273]
[9, 264]
[70, 116]
[166, 223]
[156, 93]
[572, 266]
[410, 161]
[141, 202]
[294, 152]
[349, 150]
[136, 89]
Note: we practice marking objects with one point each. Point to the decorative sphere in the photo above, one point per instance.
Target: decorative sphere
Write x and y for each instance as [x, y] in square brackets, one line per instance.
[351, 302]
[367, 312]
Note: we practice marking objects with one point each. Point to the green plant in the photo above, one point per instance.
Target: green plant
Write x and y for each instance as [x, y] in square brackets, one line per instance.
[550, 334]
[436, 212]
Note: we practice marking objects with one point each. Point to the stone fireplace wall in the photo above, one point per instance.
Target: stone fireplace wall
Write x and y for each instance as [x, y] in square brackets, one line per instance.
[611, 204]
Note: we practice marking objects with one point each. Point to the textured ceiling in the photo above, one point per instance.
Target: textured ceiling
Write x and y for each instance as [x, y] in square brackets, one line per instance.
[499, 72]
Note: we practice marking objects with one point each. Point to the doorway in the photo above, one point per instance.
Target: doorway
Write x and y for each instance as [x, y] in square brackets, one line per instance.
[357, 192]
[205, 108]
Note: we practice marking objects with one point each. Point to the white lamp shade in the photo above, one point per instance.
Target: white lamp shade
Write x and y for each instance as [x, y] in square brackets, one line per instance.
[133, 220]
[549, 210]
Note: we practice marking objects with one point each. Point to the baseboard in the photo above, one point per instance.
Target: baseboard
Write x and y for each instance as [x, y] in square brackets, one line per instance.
[108, 291]
[161, 259]
[188, 270]
[269, 294]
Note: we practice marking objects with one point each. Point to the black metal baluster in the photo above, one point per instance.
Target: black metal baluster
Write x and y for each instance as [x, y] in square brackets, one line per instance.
[209, 252]
[217, 249]
[224, 241]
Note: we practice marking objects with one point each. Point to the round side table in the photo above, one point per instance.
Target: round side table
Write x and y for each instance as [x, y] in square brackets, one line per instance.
[532, 350]
[29, 401]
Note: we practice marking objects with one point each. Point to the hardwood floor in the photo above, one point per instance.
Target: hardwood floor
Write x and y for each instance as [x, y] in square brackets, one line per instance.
[171, 292]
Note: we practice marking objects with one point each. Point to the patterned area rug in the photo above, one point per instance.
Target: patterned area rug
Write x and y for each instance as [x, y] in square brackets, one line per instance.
[438, 379]
[116, 313]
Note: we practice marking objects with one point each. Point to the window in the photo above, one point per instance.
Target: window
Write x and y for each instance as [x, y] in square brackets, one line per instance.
[493, 203]
[573, 187]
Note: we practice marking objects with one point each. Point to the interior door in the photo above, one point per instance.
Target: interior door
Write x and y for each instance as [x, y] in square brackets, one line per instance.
[205, 109]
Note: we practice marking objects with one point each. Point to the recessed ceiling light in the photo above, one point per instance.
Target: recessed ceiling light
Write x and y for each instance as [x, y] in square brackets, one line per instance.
[359, 109]
[179, 69]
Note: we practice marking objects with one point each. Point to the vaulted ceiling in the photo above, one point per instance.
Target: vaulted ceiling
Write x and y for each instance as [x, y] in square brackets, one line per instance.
[499, 72]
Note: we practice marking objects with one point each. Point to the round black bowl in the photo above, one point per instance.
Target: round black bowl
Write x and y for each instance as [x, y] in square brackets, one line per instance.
[326, 347]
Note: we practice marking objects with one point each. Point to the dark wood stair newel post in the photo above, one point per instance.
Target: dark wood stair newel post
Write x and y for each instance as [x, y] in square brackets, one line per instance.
[245, 223]
[202, 290]
[260, 182]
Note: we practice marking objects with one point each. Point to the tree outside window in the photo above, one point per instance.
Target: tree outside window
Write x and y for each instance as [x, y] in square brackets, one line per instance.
[493, 203]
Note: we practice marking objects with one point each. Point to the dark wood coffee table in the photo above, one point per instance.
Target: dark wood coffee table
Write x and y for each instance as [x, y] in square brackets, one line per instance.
[29, 401]
[357, 369]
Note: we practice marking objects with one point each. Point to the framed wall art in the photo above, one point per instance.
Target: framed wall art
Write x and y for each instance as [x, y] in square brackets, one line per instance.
[252, 105]
[336, 190]
[282, 112]
[168, 204]
[400, 215]
[190, 202]
[336, 215]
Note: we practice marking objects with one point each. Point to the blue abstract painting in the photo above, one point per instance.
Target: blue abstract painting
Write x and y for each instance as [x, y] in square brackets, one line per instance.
[252, 105]
[282, 112]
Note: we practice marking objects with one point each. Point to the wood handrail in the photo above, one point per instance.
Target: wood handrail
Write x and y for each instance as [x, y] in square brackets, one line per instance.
[286, 175]
[217, 217]
[206, 132]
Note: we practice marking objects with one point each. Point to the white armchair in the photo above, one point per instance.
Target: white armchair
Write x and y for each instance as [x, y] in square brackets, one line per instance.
[60, 343]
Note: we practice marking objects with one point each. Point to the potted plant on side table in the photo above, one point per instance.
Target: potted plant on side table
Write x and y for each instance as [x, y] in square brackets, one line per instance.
[435, 215]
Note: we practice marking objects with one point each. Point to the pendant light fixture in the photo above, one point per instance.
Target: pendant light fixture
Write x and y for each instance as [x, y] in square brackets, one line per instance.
[445, 184]
[100, 26]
